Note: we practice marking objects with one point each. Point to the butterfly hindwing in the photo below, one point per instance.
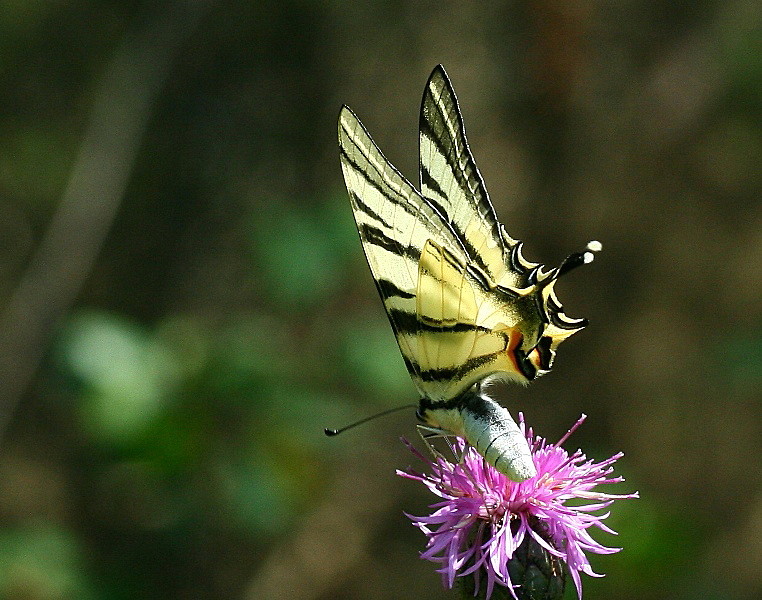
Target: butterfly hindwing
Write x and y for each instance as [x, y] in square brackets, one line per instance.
[462, 336]
[446, 310]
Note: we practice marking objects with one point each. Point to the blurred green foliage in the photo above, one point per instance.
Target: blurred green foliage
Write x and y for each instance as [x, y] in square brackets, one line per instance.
[43, 561]
[170, 443]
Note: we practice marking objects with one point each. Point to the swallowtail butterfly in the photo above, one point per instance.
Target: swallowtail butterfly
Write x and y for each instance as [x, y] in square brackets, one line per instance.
[466, 307]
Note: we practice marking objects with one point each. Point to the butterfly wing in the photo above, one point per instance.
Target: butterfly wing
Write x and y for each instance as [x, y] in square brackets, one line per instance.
[433, 295]
[395, 223]
[451, 182]
[463, 334]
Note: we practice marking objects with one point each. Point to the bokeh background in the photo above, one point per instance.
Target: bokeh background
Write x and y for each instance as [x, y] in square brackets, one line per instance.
[184, 303]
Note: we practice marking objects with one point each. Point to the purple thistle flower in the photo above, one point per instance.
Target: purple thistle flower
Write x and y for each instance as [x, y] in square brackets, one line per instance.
[484, 517]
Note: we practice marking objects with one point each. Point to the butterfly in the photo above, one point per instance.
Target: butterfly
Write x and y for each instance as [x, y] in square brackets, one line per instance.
[466, 307]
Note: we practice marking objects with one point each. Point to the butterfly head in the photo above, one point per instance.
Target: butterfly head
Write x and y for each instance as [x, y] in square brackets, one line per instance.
[542, 324]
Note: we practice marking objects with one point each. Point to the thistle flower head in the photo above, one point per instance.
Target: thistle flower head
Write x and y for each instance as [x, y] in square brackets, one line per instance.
[483, 518]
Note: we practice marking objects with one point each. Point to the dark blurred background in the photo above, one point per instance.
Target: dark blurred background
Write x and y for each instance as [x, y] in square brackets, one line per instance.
[184, 303]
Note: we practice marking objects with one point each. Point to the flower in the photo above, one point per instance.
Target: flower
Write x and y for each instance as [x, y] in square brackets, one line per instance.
[484, 518]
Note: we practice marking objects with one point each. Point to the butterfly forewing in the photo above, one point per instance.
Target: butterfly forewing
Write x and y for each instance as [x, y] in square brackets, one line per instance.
[450, 179]
[394, 222]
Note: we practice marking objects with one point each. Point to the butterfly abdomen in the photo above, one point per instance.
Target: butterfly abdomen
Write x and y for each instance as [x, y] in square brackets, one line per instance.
[488, 427]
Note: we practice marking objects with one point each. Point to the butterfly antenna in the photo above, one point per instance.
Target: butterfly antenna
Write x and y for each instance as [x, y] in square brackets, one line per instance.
[383, 413]
[575, 260]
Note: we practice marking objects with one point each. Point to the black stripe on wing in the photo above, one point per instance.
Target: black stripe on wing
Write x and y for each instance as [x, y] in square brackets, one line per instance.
[445, 374]
[373, 235]
[410, 323]
[389, 290]
[360, 204]
[559, 318]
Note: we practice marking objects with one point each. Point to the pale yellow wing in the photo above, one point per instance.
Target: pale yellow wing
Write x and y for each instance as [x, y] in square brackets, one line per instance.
[451, 182]
[463, 335]
[394, 222]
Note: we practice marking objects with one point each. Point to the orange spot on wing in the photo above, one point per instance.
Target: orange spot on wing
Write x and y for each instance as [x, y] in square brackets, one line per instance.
[514, 341]
[536, 359]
